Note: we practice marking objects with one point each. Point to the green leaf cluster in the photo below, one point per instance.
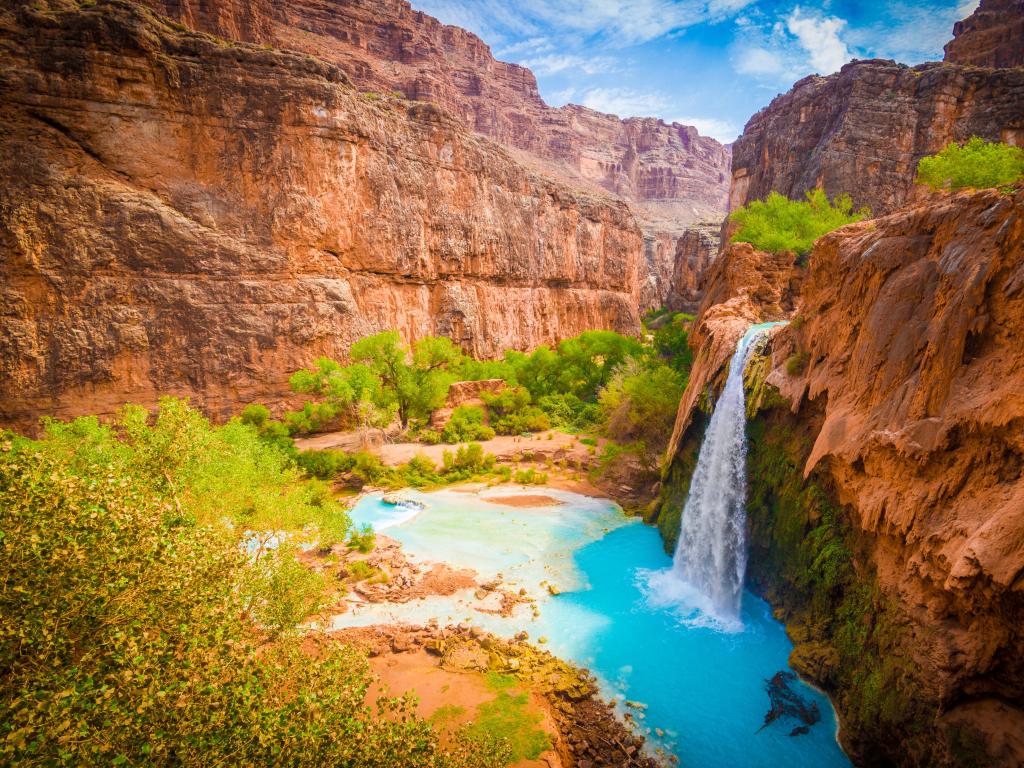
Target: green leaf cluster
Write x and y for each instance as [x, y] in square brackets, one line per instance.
[778, 224]
[150, 602]
[466, 424]
[978, 164]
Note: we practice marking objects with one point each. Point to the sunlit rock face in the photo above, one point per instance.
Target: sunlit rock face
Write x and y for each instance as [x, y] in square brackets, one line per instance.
[670, 175]
[184, 216]
[910, 392]
[863, 130]
[992, 36]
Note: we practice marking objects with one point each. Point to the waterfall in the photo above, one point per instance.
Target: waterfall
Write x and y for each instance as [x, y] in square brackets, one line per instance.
[711, 555]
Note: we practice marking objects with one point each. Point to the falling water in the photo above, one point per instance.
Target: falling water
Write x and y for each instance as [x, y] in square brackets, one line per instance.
[711, 555]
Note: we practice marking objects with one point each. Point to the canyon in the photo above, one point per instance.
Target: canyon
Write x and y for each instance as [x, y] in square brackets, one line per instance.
[201, 214]
[863, 130]
[190, 217]
[896, 392]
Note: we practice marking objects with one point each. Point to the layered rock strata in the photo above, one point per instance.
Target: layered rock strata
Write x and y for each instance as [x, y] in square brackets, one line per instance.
[992, 36]
[181, 215]
[863, 130]
[696, 248]
[887, 501]
[670, 174]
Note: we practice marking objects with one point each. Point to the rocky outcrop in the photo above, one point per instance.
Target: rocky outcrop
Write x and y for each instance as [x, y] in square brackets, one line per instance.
[992, 36]
[696, 248]
[246, 21]
[670, 175]
[863, 130]
[388, 46]
[887, 483]
[744, 286]
[184, 216]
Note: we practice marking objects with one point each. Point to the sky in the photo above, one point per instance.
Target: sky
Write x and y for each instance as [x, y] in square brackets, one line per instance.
[707, 63]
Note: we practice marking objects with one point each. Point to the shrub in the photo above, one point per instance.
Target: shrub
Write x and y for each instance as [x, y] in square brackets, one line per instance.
[778, 224]
[529, 477]
[467, 461]
[640, 403]
[978, 164]
[466, 424]
[420, 471]
[362, 540]
[796, 363]
[324, 465]
[135, 629]
[429, 436]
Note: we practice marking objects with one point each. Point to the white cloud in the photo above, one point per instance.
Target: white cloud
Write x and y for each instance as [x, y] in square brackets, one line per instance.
[552, 63]
[617, 22]
[918, 34]
[624, 102]
[759, 62]
[819, 37]
[718, 129]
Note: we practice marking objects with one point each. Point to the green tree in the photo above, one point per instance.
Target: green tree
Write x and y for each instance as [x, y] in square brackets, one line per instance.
[139, 624]
[778, 224]
[978, 164]
[415, 382]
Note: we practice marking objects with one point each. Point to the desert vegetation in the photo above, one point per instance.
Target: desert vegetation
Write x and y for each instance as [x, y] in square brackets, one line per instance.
[778, 224]
[977, 164]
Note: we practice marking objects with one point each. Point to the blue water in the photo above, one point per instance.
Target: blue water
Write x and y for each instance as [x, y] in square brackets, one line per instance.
[703, 687]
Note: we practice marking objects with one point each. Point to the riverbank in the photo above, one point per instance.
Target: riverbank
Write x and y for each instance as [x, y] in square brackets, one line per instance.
[459, 671]
[570, 464]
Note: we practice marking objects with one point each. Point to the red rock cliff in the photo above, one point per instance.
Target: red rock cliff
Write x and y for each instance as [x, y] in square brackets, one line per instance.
[913, 389]
[863, 130]
[992, 36]
[670, 175]
[184, 216]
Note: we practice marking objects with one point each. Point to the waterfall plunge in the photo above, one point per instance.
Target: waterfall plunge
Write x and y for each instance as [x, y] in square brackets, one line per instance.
[711, 556]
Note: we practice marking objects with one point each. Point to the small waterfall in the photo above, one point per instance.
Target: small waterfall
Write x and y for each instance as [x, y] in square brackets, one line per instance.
[711, 555]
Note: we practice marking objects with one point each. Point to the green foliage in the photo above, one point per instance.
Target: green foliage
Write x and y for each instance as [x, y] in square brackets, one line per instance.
[640, 403]
[978, 164]
[778, 224]
[362, 540]
[529, 477]
[137, 625]
[672, 343]
[797, 363]
[512, 412]
[466, 423]
[507, 718]
[466, 462]
[324, 465]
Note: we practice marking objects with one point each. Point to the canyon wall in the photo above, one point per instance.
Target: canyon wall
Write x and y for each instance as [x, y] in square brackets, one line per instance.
[696, 249]
[863, 130]
[887, 471]
[183, 215]
[992, 36]
[669, 174]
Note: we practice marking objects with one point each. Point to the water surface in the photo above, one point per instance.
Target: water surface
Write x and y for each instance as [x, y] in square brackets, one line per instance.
[703, 687]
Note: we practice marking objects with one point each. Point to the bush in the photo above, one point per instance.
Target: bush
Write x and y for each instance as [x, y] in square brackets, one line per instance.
[136, 628]
[796, 363]
[779, 224]
[466, 424]
[324, 465]
[467, 461]
[978, 164]
[640, 403]
[362, 540]
[529, 477]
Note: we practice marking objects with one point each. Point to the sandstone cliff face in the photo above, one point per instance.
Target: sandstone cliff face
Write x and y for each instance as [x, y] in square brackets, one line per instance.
[696, 248]
[744, 286]
[247, 21]
[670, 175]
[912, 396]
[863, 130]
[384, 44]
[992, 36]
[184, 216]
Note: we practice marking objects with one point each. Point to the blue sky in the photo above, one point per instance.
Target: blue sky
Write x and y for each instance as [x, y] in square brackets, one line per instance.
[708, 63]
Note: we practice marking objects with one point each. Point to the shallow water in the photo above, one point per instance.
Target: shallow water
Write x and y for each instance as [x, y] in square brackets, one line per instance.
[703, 686]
